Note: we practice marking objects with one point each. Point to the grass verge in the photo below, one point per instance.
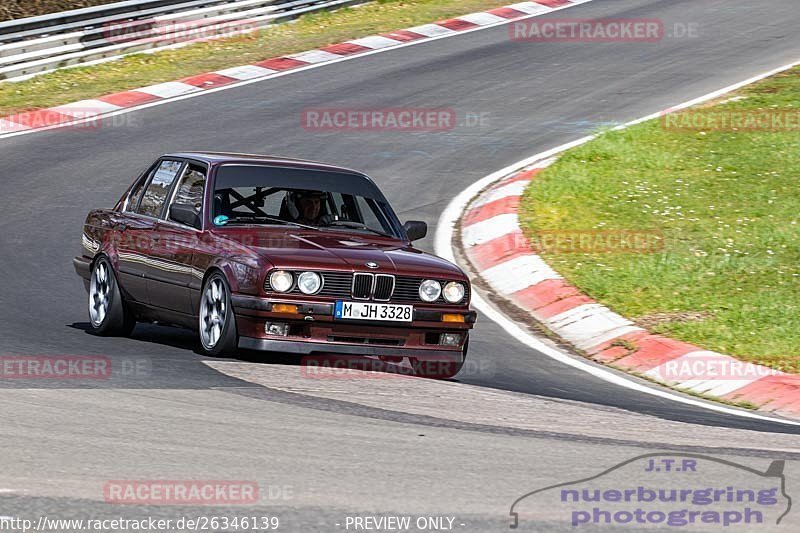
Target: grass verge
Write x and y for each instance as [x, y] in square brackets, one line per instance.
[728, 204]
[308, 32]
[15, 9]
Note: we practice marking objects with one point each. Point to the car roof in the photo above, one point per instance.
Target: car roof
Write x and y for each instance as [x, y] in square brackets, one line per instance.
[216, 158]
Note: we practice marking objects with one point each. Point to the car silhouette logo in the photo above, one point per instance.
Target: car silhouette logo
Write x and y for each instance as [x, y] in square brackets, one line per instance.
[371, 265]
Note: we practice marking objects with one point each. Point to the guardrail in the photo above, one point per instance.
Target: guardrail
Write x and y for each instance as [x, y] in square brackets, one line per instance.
[83, 36]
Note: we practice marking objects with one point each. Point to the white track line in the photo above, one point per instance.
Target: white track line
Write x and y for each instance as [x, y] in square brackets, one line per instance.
[285, 73]
[444, 248]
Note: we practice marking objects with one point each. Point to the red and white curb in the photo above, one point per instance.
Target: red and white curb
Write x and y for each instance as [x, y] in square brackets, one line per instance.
[97, 108]
[501, 255]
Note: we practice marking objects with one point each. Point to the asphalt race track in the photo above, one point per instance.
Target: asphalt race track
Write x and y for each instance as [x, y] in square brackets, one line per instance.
[336, 447]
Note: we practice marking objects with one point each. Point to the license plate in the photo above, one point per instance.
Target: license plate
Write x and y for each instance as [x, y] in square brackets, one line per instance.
[370, 311]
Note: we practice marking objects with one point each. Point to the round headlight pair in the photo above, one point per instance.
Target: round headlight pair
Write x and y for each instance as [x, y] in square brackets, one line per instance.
[454, 292]
[430, 290]
[307, 282]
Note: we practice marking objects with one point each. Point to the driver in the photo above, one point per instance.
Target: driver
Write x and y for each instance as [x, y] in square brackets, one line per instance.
[309, 207]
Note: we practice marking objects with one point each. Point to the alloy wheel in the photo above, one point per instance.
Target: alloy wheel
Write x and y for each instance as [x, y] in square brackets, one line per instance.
[99, 294]
[213, 311]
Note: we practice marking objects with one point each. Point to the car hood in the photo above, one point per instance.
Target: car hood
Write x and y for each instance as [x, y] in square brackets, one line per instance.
[333, 250]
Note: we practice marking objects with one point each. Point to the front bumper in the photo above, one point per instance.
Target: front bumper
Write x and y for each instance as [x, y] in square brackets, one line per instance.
[314, 330]
[309, 348]
[82, 266]
[253, 305]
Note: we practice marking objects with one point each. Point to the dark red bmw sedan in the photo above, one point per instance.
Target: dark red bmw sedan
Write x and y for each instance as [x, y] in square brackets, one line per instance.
[273, 254]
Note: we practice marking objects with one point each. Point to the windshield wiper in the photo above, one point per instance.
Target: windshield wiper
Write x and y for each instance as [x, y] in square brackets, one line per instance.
[255, 219]
[359, 225]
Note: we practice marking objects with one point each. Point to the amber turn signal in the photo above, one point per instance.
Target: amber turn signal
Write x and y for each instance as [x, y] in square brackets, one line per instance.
[452, 317]
[284, 308]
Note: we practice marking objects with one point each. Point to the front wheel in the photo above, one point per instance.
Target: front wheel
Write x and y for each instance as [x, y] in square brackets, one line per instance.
[218, 335]
[108, 313]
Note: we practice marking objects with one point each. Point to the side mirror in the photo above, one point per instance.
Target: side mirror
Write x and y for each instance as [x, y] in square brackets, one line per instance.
[415, 229]
[185, 214]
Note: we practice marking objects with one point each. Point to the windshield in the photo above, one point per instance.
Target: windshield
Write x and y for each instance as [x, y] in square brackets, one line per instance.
[252, 194]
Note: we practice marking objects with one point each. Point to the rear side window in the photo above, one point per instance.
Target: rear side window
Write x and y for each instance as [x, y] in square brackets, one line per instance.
[136, 193]
[152, 203]
[192, 185]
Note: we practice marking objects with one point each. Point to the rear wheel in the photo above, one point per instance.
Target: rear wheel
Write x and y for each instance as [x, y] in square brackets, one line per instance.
[108, 313]
[218, 335]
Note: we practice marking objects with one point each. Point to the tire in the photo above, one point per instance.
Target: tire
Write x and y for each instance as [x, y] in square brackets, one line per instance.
[438, 369]
[109, 315]
[216, 321]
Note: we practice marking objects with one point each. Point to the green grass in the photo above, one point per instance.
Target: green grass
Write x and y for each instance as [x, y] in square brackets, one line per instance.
[15, 9]
[310, 31]
[728, 204]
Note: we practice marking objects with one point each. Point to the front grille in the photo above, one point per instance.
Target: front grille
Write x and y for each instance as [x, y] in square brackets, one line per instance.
[387, 288]
[336, 284]
[384, 286]
[362, 286]
[407, 289]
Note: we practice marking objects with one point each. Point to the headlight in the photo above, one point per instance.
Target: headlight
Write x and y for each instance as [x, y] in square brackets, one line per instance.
[454, 292]
[281, 281]
[430, 290]
[309, 282]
